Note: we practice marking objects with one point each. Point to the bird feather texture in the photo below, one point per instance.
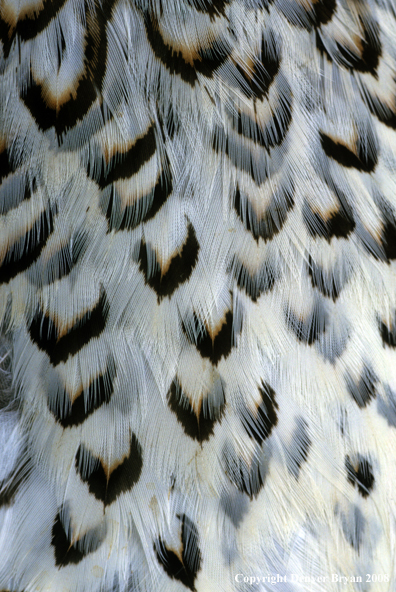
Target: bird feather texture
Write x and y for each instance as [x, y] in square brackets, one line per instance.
[197, 295]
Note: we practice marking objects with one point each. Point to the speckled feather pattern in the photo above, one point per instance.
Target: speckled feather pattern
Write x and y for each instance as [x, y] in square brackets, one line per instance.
[197, 294]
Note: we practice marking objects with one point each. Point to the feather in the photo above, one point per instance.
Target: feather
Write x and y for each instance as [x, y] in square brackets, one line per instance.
[197, 295]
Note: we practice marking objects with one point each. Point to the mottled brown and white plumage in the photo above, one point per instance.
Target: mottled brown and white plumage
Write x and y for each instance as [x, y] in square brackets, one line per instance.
[197, 295]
